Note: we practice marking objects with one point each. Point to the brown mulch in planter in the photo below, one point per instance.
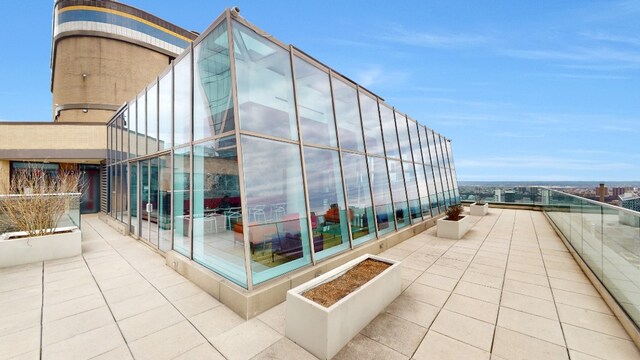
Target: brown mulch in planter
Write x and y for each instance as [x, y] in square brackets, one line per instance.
[331, 292]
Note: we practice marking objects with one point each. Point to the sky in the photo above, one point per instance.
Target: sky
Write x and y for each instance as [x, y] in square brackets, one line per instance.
[526, 90]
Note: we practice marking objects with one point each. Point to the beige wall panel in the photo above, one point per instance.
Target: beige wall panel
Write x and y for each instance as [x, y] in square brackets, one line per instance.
[52, 136]
[116, 72]
[5, 169]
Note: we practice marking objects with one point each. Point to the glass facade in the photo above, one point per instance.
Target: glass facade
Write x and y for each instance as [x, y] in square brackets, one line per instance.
[252, 159]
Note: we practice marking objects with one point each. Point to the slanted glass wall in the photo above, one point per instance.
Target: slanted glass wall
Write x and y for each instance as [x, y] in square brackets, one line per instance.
[269, 161]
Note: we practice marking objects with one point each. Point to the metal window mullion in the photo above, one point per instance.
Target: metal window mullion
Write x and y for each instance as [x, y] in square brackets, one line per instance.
[386, 165]
[426, 183]
[413, 164]
[433, 175]
[404, 178]
[451, 170]
[366, 160]
[444, 166]
[435, 150]
[344, 182]
[157, 120]
[236, 121]
[191, 193]
[171, 147]
[302, 160]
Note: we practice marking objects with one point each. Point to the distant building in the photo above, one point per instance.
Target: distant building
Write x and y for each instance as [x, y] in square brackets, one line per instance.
[509, 196]
[498, 195]
[617, 191]
[630, 201]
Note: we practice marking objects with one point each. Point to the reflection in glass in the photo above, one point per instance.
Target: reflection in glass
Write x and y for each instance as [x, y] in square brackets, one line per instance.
[403, 137]
[181, 213]
[142, 124]
[216, 209]
[133, 195]
[358, 198]
[381, 195]
[345, 99]
[265, 88]
[164, 114]
[326, 202]
[396, 177]
[371, 123]
[389, 132]
[164, 202]
[314, 104]
[152, 119]
[415, 140]
[412, 191]
[213, 107]
[182, 101]
[133, 130]
[422, 190]
[278, 230]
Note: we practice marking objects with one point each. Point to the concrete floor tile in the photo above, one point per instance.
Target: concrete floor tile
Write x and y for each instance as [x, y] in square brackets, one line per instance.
[284, 347]
[486, 269]
[577, 287]
[85, 345]
[439, 347]
[437, 281]
[397, 333]
[196, 304]
[522, 288]
[599, 344]
[465, 329]
[427, 294]
[58, 296]
[246, 340]
[445, 271]
[509, 344]
[576, 355]
[474, 308]
[119, 353]
[216, 321]
[413, 310]
[121, 281]
[529, 304]
[361, 347]
[275, 318]
[582, 301]
[204, 351]
[168, 280]
[126, 292]
[482, 279]
[19, 321]
[532, 325]
[591, 320]
[148, 322]
[136, 305]
[167, 343]
[70, 326]
[410, 274]
[72, 307]
[180, 291]
[20, 342]
[479, 292]
[19, 283]
[529, 278]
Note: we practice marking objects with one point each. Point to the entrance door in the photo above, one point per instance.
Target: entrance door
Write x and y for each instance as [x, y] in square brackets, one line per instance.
[153, 222]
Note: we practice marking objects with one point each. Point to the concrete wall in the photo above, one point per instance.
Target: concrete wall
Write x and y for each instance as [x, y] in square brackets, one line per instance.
[115, 72]
[52, 136]
[5, 168]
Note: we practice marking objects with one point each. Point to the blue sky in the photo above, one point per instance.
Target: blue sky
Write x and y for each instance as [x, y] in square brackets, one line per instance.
[527, 90]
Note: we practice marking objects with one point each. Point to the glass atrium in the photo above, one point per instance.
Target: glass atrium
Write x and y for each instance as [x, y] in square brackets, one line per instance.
[253, 159]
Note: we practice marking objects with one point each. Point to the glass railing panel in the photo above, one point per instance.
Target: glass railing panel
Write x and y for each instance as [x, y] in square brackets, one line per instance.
[575, 223]
[592, 236]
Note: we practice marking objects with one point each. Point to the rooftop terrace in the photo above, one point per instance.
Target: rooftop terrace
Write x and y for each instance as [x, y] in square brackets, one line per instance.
[508, 290]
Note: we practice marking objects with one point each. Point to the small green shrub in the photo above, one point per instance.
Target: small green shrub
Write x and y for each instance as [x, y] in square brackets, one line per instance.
[453, 212]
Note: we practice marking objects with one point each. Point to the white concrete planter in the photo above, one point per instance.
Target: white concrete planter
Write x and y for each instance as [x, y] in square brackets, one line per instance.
[453, 229]
[479, 210]
[49, 247]
[324, 331]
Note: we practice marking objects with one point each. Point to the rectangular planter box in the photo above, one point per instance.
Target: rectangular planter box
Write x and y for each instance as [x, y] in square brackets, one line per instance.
[479, 210]
[40, 248]
[324, 331]
[453, 229]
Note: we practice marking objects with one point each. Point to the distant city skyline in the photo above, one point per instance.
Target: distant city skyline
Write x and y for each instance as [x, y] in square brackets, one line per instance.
[531, 91]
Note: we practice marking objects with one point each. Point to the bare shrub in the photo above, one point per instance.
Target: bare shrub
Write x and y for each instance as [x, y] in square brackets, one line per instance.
[454, 212]
[36, 201]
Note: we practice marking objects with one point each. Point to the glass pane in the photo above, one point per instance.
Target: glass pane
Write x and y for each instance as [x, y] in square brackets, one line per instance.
[422, 190]
[164, 133]
[326, 202]
[125, 134]
[182, 101]
[425, 140]
[358, 198]
[396, 177]
[403, 137]
[371, 123]
[152, 119]
[314, 104]
[415, 141]
[118, 191]
[389, 131]
[164, 202]
[412, 191]
[381, 195]
[212, 101]
[112, 190]
[345, 99]
[153, 200]
[133, 196]
[278, 230]
[217, 211]
[265, 88]
[181, 215]
[125, 194]
[142, 124]
[431, 186]
[133, 130]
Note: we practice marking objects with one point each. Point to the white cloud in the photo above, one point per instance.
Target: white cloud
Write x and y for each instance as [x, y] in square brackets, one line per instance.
[415, 37]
